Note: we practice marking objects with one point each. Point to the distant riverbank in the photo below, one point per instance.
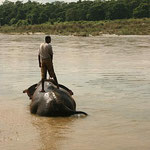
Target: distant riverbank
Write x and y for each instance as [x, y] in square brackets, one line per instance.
[85, 28]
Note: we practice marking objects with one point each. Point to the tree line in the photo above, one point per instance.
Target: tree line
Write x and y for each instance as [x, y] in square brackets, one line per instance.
[30, 13]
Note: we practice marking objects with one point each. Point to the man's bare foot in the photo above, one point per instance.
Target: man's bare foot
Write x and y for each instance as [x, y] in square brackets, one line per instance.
[42, 91]
[71, 93]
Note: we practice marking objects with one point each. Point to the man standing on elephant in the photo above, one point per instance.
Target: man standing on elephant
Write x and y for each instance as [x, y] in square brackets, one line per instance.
[45, 58]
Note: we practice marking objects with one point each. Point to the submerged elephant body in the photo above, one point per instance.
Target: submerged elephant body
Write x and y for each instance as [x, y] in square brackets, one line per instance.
[52, 102]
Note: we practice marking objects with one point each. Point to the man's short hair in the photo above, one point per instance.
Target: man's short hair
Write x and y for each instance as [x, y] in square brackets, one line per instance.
[47, 38]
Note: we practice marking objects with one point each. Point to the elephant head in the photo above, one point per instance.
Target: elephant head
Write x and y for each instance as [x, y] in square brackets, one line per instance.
[53, 102]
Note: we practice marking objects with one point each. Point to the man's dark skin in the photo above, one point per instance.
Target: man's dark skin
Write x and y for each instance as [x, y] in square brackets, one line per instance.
[47, 40]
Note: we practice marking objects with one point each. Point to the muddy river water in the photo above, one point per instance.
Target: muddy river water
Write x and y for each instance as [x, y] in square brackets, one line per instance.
[110, 78]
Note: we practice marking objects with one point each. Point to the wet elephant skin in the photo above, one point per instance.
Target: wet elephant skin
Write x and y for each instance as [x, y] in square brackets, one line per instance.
[52, 102]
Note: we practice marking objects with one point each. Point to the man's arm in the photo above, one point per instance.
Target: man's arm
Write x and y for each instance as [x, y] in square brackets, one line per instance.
[52, 57]
[39, 61]
[51, 52]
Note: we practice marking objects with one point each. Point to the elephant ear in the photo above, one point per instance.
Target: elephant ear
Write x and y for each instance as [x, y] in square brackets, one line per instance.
[30, 91]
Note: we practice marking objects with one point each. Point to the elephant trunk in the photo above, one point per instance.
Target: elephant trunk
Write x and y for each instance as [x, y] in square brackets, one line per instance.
[80, 112]
[70, 111]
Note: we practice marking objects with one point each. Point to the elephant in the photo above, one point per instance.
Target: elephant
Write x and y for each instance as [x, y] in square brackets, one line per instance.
[53, 102]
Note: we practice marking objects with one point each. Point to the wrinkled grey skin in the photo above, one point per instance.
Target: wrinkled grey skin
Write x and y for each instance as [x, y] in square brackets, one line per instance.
[53, 102]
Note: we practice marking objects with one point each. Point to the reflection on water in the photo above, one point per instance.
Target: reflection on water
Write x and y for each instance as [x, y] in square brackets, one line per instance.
[110, 77]
[53, 131]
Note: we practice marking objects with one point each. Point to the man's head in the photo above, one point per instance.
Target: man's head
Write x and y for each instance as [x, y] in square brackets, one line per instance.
[47, 39]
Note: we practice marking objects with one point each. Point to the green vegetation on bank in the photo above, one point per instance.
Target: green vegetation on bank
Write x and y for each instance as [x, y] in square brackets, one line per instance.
[85, 28]
[31, 13]
[76, 18]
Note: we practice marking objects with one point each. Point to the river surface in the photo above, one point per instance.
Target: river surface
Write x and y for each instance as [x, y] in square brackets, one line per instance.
[110, 78]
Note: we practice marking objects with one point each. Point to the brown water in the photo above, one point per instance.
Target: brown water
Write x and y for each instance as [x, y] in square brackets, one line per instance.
[110, 77]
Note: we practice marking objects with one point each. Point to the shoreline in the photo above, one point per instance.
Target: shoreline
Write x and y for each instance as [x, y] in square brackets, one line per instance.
[84, 28]
[102, 35]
